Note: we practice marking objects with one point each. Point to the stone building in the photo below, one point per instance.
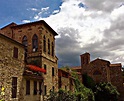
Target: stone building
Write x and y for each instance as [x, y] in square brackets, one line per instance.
[65, 80]
[103, 71]
[39, 41]
[11, 68]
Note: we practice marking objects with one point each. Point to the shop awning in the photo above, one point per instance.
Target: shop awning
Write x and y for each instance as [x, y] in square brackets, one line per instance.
[36, 68]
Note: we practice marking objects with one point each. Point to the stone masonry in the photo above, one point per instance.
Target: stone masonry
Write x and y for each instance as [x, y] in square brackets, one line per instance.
[103, 71]
[44, 59]
[10, 66]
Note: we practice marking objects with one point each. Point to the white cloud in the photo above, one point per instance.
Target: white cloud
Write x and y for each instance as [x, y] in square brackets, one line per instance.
[26, 21]
[45, 9]
[55, 11]
[117, 12]
[97, 28]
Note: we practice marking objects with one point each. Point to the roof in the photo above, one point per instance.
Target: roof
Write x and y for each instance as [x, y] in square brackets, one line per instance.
[76, 67]
[64, 71]
[5, 37]
[85, 54]
[115, 65]
[11, 24]
[99, 60]
[36, 22]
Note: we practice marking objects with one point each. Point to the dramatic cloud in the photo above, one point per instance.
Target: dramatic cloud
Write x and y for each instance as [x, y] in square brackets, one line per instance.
[94, 26]
[67, 47]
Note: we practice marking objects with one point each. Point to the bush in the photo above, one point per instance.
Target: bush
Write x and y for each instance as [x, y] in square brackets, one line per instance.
[88, 82]
[106, 92]
[61, 95]
[82, 93]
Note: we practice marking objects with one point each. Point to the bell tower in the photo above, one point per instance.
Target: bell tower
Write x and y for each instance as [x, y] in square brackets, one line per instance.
[85, 59]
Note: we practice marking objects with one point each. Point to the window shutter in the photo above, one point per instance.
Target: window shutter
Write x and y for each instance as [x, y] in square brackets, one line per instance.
[15, 52]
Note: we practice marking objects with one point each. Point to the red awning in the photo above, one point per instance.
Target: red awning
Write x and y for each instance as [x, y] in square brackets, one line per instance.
[36, 68]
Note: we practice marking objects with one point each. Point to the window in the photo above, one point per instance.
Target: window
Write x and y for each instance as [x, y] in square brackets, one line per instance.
[40, 89]
[52, 49]
[53, 71]
[65, 87]
[45, 90]
[27, 87]
[44, 44]
[15, 52]
[45, 67]
[35, 43]
[53, 88]
[48, 46]
[25, 41]
[14, 87]
[35, 87]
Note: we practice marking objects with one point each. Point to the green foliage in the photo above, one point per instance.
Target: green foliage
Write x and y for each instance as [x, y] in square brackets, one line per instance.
[82, 93]
[88, 82]
[61, 95]
[106, 92]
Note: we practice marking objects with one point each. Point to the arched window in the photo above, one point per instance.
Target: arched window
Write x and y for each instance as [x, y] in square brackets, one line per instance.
[44, 44]
[35, 43]
[52, 49]
[48, 46]
[97, 72]
[25, 41]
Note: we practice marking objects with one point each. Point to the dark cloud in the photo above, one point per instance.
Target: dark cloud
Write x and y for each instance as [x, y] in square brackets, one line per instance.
[67, 47]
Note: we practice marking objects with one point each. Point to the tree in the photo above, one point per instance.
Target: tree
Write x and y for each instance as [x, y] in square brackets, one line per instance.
[82, 93]
[106, 92]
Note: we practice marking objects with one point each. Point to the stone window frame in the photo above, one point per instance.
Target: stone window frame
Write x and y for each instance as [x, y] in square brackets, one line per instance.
[35, 88]
[14, 87]
[53, 71]
[45, 67]
[44, 43]
[35, 43]
[52, 49]
[45, 89]
[53, 88]
[27, 87]
[25, 41]
[40, 88]
[15, 52]
[48, 46]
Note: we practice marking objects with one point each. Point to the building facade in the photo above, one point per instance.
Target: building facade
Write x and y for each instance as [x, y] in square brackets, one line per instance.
[103, 71]
[39, 41]
[11, 68]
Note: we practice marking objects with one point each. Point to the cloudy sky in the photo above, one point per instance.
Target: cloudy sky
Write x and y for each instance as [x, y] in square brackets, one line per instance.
[94, 26]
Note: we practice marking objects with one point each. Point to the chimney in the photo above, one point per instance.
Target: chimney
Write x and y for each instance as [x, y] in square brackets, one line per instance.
[85, 59]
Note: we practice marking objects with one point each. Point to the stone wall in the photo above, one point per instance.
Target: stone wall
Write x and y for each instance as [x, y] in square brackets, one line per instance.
[103, 71]
[50, 61]
[10, 66]
[31, 96]
[41, 29]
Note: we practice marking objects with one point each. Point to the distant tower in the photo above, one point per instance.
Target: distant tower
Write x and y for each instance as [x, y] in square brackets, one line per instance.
[85, 59]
